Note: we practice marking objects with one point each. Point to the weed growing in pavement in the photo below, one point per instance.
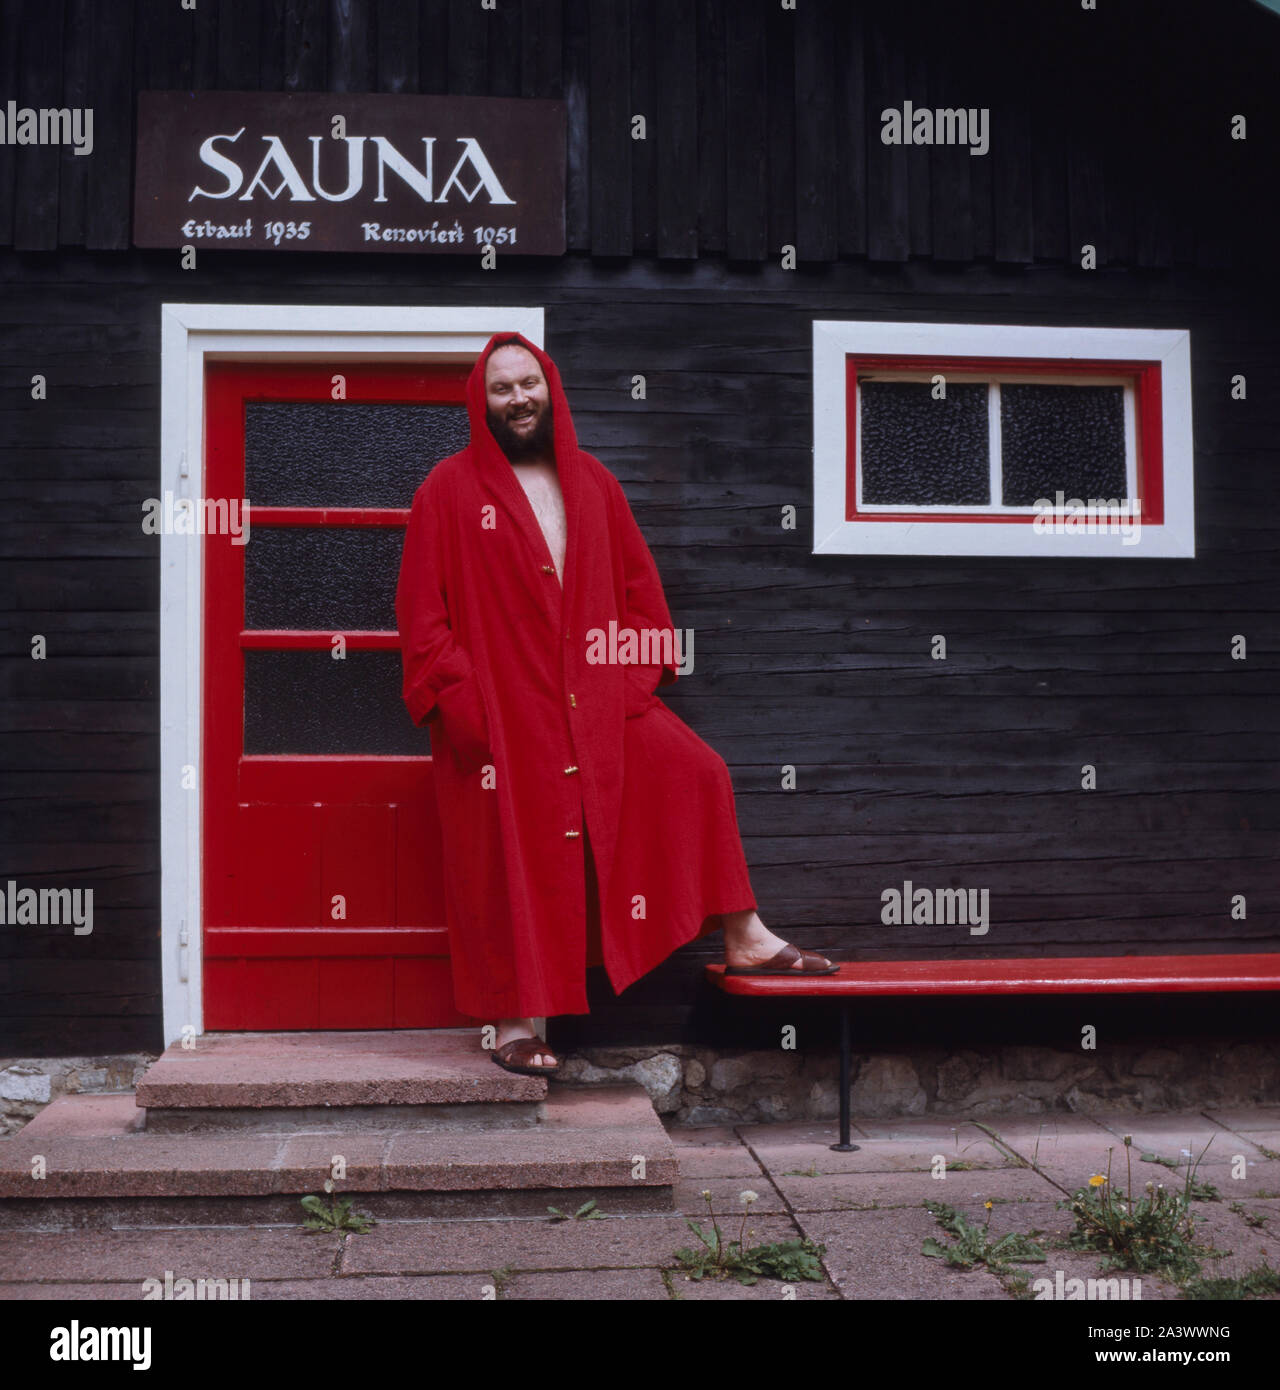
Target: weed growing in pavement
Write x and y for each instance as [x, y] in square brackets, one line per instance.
[1199, 1191]
[788, 1260]
[1252, 1218]
[337, 1217]
[1254, 1283]
[586, 1212]
[973, 1244]
[1150, 1233]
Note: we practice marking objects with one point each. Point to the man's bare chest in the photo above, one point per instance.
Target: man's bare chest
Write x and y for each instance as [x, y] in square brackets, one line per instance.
[541, 484]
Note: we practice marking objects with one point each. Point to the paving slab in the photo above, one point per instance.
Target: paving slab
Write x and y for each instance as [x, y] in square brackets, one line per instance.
[691, 1290]
[85, 1116]
[1236, 1117]
[1167, 1134]
[718, 1161]
[876, 1255]
[880, 1156]
[450, 1246]
[445, 1288]
[867, 1191]
[726, 1197]
[594, 1285]
[203, 1253]
[139, 1165]
[700, 1136]
[1243, 1246]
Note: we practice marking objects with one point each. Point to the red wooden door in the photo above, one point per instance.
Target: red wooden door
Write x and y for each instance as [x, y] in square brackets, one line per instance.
[323, 902]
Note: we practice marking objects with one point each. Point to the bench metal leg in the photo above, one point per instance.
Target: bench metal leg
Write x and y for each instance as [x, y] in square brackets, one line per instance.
[846, 1081]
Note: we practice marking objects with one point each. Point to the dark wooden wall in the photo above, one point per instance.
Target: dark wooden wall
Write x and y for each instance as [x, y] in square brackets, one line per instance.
[958, 773]
[1110, 127]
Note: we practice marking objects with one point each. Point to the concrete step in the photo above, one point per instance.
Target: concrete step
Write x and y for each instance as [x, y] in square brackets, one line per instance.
[290, 1071]
[94, 1149]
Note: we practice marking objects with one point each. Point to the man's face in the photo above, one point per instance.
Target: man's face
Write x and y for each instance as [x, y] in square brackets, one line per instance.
[518, 401]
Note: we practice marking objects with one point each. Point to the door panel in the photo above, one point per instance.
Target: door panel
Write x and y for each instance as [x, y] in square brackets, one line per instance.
[323, 899]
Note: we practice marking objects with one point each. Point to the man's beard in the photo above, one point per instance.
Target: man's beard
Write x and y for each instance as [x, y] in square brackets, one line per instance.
[519, 447]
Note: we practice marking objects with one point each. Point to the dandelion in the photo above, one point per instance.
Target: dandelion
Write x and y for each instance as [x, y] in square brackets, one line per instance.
[1097, 1180]
[988, 1205]
[1128, 1140]
[706, 1192]
[746, 1198]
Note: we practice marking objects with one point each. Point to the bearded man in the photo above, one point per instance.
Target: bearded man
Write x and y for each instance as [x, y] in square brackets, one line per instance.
[583, 822]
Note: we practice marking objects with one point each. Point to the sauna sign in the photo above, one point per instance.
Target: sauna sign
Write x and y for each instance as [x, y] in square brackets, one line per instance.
[339, 171]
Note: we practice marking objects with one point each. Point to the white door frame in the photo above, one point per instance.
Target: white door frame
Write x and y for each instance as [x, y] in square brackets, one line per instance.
[190, 336]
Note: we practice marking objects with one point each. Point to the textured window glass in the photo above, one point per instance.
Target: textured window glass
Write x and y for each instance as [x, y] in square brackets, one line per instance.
[306, 702]
[1061, 437]
[317, 453]
[322, 577]
[917, 451]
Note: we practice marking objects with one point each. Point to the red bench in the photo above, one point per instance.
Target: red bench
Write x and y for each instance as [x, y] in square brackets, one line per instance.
[1058, 975]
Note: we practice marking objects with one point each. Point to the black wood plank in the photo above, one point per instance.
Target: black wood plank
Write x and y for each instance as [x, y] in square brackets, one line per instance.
[271, 55]
[610, 127]
[577, 69]
[1011, 160]
[644, 102]
[73, 173]
[11, 12]
[306, 45]
[888, 207]
[398, 40]
[816, 142]
[542, 50]
[675, 119]
[110, 184]
[239, 41]
[780, 132]
[468, 48]
[433, 50]
[746, 145]
[352, 59]
[712, 154]
[950, 166]
[851, 135]
[919, 60]
[505, 42]
[1050, 229]
[35, 222]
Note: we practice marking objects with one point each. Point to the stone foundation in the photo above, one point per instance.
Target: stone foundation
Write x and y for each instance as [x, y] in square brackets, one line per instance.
[705, 1086]
[28, 1084]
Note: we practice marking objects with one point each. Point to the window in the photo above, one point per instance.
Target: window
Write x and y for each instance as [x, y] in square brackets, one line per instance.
[955, 439]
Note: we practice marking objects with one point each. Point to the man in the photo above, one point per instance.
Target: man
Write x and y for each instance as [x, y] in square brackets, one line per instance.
[583, 822]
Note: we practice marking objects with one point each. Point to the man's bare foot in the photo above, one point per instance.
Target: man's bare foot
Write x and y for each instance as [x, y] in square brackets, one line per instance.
[748, 942]
[509, 1029]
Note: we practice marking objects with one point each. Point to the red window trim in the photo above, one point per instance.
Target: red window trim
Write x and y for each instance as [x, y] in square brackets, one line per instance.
[1148, 444]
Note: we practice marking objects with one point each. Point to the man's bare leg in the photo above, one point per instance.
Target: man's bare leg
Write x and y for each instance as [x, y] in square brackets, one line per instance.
[509, 1029]
[747, 941]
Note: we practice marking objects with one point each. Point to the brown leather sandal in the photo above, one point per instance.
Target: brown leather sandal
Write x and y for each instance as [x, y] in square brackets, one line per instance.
[783, 963]
[516, 1055]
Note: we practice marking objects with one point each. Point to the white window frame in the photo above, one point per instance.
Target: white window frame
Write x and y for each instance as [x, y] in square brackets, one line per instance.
[835, 534]
[192, 335]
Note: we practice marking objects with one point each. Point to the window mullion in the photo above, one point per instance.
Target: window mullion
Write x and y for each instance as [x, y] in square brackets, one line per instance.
[993, 442]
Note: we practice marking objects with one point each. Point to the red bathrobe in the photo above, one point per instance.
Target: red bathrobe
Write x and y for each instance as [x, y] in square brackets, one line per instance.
[538, 748]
